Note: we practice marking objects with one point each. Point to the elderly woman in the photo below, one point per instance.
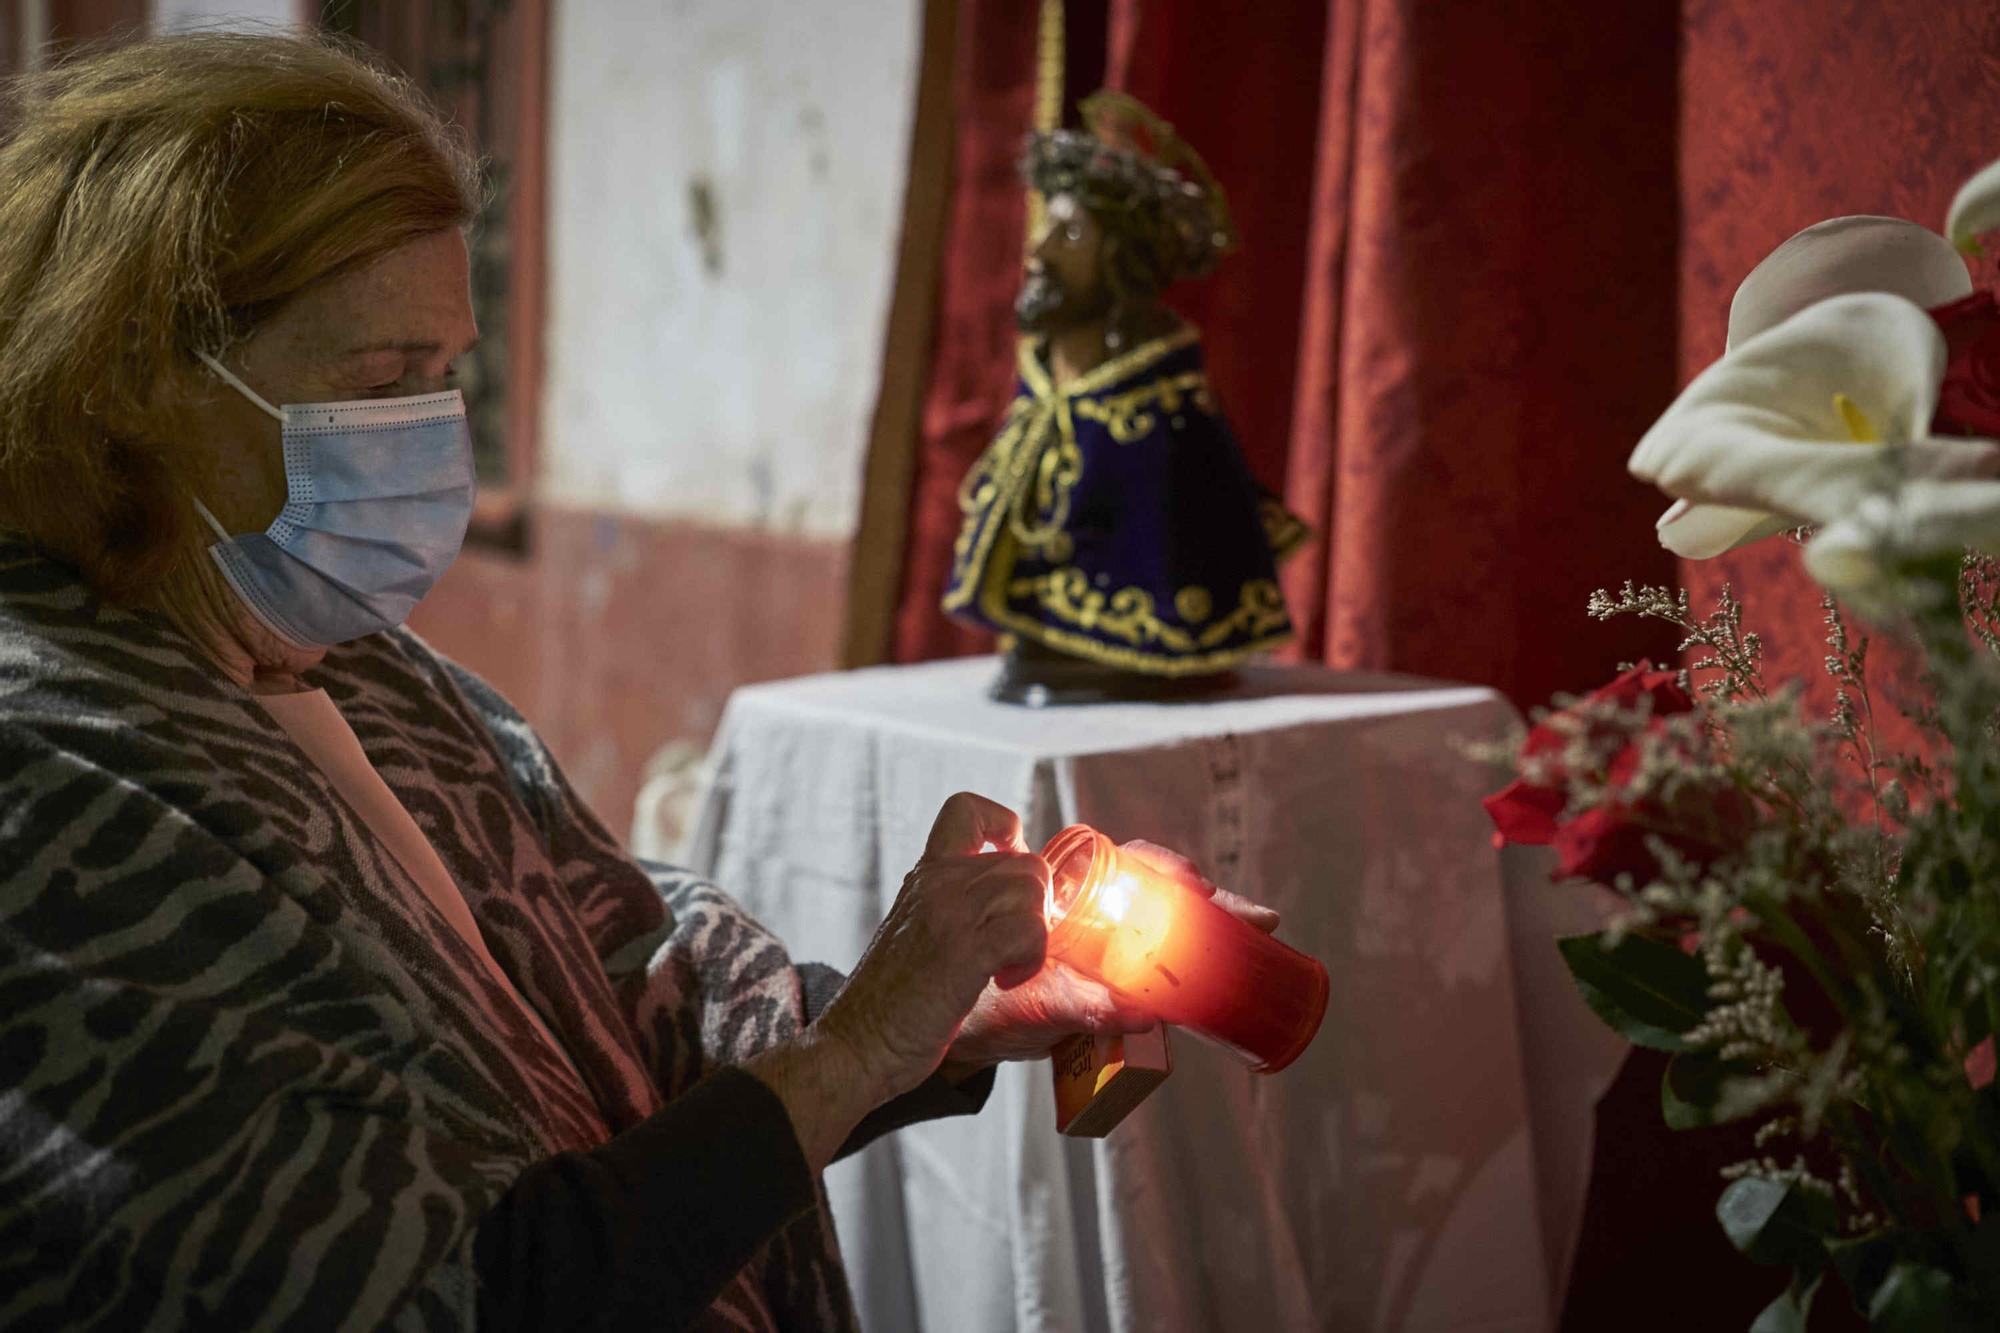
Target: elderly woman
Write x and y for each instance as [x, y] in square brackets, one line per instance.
[323, 1002]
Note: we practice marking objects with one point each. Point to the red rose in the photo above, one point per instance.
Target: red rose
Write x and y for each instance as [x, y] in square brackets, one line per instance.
[1601, 842]
[1969, 398]
[1700, 822]
[1980, 1064]
[1524, 813]
[1612, 838]
[1661, 688]
[1527, 812]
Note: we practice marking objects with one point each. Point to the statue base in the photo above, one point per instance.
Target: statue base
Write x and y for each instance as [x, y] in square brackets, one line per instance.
[1035, 676]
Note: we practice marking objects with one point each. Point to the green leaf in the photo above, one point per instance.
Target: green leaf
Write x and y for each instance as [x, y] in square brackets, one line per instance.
[1863, 1262]
[1916, 1298]
[1775, 1224]
[1788, 1313]
[1649, 993]
[1979, 1253]
[1693, 1085]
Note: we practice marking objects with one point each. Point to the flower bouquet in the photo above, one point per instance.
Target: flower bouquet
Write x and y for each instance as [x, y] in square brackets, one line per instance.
[1809, 910]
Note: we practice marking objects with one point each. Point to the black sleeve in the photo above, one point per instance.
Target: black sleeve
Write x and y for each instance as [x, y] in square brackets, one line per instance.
[645, 1230]
[933, 1099]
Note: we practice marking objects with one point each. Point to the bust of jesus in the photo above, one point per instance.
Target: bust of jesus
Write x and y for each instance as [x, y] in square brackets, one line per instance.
[1112, 529]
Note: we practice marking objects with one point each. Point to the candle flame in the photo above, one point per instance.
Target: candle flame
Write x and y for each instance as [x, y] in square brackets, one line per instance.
[1116, 898]
[1138, 913]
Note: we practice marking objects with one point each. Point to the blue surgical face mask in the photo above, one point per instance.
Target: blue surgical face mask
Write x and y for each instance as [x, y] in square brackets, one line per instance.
[378, 493]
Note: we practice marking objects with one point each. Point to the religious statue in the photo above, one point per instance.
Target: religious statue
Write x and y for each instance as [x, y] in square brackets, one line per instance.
[1112, 529]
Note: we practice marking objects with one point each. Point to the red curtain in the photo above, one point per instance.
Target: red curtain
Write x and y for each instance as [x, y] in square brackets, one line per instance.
[1452, 314]
[972, 360]
[1247, 96]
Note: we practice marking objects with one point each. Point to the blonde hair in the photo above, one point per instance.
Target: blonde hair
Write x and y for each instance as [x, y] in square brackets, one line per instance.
[158, 199]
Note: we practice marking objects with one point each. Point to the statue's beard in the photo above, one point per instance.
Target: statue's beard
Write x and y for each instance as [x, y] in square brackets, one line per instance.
[1046, 306]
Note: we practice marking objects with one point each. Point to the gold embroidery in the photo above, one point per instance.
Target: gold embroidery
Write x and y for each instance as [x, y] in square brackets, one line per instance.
[1261, 610]
[1129, 613]
[1193, 604]
[1127, 414]
[1042, 528]
[1284, 531]
[987, 492]
[993, 605]
[1116, 369]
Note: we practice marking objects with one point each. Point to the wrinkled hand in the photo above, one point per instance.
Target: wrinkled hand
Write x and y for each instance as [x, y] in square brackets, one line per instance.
[967, 920]
[1023, 1022]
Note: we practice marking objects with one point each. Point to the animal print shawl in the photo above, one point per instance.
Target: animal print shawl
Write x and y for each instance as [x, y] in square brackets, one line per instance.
[249, 1077]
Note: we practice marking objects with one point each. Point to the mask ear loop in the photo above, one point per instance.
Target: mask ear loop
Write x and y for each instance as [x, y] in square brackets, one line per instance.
[223, 373]
[202, 509]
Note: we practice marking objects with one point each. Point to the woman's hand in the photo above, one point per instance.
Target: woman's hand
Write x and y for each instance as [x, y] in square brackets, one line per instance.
[1023, 1022]
[967, 917]
[954, 980]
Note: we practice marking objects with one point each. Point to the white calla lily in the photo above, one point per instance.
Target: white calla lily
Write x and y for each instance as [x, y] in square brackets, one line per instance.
[1862, 253]
[1803, 422]
[1700, 531]
[1975, 209]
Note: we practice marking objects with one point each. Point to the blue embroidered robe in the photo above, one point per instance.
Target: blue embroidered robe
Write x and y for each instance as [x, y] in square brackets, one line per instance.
[1115, 520]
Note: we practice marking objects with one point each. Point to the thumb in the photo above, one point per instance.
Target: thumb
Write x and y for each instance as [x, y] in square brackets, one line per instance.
[1170, 863]
[1250, 914]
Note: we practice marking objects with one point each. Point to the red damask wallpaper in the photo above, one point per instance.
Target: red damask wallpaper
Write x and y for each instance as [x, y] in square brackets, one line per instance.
[1790, 111]
[1797, 110]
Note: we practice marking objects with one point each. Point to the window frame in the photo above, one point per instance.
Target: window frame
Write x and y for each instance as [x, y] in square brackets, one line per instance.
[503, 513]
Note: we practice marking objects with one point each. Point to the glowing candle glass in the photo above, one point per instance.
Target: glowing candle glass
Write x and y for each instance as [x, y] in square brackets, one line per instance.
[1172, 950]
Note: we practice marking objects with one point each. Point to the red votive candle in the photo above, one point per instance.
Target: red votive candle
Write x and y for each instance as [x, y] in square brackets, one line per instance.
[1168, 948]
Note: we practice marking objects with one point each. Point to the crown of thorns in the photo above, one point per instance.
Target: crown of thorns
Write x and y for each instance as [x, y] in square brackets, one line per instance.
[1147, 187]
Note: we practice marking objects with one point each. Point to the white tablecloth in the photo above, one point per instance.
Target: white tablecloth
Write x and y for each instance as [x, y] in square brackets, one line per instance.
[1390, 1179]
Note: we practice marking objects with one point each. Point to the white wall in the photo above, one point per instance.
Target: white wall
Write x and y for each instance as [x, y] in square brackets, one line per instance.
[173, 15]
[727, 377]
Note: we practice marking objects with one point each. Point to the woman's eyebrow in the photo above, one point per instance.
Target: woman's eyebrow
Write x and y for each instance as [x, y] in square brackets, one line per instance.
[408, 348]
